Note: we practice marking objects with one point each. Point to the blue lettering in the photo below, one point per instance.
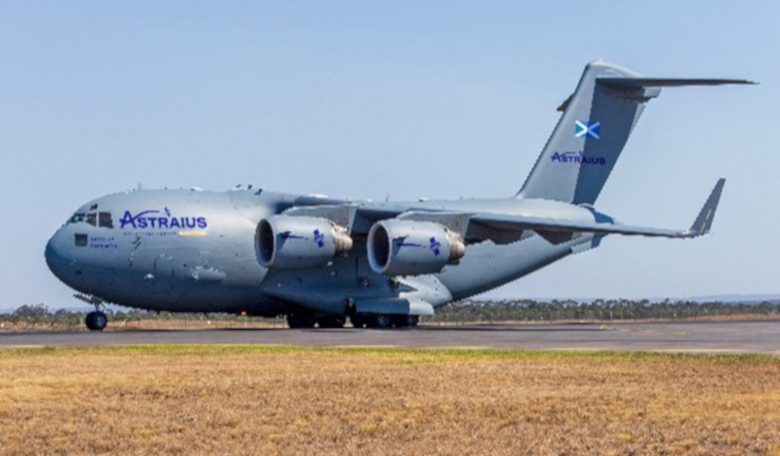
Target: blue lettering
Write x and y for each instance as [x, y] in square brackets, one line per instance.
[163, 221]
[578, 158]
[127, 219]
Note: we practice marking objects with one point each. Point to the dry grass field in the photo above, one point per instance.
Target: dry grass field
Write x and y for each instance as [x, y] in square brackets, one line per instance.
[281, 400]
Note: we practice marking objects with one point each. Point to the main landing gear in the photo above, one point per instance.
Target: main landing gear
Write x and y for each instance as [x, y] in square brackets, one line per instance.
[308, 321]
[378, 321]
[383, 321]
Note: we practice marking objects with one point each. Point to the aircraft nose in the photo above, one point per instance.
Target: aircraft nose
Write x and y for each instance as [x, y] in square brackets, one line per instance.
[55, 255]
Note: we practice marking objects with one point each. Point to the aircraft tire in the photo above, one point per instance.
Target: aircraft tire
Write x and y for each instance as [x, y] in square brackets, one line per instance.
[404, 321]
[96, 321]
[358, 322]
[331, 322]
[380, 321]
[300, 321]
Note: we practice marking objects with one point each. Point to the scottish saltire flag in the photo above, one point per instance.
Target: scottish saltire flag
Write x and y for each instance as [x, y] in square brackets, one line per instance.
[586, 129]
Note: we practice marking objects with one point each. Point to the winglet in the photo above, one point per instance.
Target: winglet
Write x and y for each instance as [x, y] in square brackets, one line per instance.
[703, 222]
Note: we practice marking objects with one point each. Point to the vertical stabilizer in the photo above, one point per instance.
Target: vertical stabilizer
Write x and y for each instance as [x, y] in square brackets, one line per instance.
[596, 123]
[585, 145]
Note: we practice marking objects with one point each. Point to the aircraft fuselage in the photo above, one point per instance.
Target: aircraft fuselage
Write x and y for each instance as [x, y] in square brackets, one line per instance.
[194, 251]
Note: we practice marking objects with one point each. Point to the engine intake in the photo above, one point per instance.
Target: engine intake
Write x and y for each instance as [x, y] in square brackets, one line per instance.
[284, 242]
[406, 247]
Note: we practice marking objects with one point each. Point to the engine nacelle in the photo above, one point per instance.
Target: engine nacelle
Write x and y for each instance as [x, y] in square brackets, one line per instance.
[285, 242]
[406, 247]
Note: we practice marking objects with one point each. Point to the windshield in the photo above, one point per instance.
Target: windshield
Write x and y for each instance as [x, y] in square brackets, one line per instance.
[99, 219]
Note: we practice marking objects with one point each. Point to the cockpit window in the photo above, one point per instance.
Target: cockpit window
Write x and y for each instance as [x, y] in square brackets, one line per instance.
[105, 220]
[101, 219]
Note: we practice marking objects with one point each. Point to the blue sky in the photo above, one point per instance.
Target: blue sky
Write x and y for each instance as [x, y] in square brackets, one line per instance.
[317, 97]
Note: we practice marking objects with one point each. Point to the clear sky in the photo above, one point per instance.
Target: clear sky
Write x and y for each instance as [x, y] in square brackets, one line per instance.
[330, 97]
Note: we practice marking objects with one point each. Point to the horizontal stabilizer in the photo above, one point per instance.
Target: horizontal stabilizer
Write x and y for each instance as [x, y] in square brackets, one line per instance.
[667, 82]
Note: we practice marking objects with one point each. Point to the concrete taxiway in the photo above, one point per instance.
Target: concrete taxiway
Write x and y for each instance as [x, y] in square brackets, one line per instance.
[730, 337]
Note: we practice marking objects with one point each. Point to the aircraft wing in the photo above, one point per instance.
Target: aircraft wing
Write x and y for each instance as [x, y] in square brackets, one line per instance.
[503, 228]
[700, 226]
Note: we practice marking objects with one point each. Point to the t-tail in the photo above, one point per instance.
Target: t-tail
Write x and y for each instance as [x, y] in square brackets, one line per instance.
[596, 123]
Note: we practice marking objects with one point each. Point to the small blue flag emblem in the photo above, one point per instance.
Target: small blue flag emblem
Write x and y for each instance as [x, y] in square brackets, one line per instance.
[586, 129]
[319, 238]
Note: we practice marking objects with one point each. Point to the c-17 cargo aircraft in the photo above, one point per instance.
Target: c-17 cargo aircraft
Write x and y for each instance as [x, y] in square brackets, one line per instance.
[319, 260]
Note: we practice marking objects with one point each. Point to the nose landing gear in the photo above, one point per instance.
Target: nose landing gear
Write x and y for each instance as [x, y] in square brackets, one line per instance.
[96, 321]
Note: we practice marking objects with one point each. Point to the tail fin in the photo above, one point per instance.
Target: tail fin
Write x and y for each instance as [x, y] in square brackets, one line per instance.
[596, 123]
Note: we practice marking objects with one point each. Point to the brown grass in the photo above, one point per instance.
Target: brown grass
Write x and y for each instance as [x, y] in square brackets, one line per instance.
[281, 400]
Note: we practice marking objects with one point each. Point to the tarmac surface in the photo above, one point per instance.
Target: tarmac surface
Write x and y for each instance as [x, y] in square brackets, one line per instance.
[707, 337]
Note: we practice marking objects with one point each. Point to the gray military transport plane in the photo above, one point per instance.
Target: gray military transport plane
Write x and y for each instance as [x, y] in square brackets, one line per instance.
[319, 260]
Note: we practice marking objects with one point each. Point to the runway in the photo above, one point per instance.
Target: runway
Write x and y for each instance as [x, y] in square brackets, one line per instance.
[741, 337]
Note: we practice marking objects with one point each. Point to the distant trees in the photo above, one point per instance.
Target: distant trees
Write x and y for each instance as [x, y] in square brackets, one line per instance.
[40, 314]
[599, 309]
[31, 311]
[467, 311]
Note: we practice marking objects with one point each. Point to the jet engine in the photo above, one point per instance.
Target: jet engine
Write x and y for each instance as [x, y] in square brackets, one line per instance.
[406, 247]
[285, 242]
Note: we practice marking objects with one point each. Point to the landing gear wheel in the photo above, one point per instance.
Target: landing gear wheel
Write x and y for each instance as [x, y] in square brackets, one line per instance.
[331, 322]
[358, 321]
[300, 321]
[96, 321]
[403, 321]
[381, 321]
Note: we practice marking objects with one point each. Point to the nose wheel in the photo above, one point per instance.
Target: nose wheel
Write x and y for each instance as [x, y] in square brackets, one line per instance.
[96, 321]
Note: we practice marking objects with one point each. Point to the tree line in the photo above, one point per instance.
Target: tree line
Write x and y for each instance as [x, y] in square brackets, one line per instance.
[465, 311]
[598, 310]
